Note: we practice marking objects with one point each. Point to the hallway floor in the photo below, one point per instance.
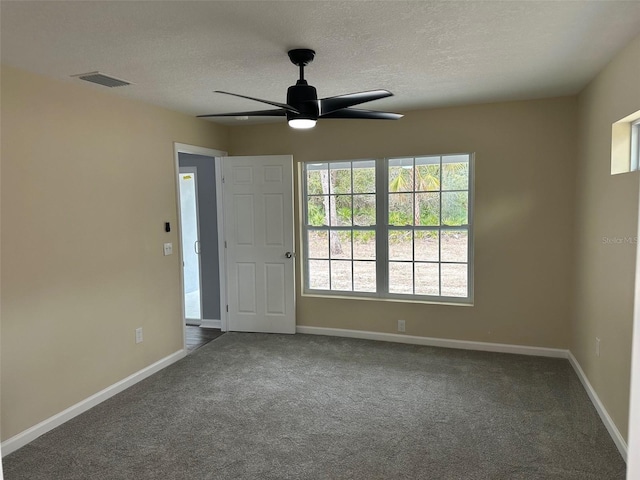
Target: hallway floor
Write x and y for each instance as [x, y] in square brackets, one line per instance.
[197, 337]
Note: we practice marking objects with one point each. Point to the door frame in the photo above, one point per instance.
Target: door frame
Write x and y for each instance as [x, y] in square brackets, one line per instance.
[216, 157]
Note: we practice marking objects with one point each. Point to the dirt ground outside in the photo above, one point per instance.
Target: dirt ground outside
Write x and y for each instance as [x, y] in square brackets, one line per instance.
[413, 266]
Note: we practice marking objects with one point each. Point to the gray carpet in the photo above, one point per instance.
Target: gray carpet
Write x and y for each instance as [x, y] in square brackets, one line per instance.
[255, 406]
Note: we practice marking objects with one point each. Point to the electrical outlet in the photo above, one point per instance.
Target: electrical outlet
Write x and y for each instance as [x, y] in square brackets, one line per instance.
[597, 347]
[168, 249]
[401, 325]
[139, 335]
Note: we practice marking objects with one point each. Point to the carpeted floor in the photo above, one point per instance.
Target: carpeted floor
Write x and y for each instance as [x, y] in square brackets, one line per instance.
[256, 406]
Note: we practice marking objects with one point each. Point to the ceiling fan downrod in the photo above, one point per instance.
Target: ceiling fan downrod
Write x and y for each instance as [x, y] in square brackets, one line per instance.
[301, 57]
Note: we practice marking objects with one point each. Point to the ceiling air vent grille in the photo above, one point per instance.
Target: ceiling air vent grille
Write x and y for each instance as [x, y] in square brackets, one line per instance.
[102, 79]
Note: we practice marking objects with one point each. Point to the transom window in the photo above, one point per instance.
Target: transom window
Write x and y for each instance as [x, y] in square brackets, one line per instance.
[391, 228]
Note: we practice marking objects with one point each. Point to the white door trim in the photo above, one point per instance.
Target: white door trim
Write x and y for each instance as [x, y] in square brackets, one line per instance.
[222, 254]
[216, 156]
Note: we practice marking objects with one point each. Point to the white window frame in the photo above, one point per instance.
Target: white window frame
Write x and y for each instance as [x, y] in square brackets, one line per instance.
[382, 228]
[635, 145]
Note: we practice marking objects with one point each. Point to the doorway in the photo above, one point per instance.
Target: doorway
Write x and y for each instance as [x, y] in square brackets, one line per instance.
[190, 239]
[202, 275]
[255, 257]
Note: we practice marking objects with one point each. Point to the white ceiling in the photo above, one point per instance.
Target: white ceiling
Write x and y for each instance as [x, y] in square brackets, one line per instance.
[427, 53]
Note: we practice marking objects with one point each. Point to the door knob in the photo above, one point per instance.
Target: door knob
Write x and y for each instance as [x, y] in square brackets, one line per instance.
[288, 254]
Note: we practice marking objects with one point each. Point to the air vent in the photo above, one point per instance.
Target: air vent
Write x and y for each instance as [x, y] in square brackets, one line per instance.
[102, 79]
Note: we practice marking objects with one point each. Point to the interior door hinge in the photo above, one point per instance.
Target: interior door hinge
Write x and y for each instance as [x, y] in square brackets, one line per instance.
[227, 308]
[225, 244]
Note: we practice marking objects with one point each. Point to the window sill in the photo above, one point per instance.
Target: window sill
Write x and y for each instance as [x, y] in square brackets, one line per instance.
[387, 299]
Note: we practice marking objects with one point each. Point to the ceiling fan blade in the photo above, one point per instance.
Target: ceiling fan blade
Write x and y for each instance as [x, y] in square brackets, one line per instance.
[258, 113]
[288, 108]
[331, 104]
[357, 113]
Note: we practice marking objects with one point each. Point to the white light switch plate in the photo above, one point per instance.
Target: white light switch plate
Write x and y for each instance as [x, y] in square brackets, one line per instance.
[168, 248]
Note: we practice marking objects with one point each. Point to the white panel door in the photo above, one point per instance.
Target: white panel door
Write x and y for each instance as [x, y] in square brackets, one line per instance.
[258, 225]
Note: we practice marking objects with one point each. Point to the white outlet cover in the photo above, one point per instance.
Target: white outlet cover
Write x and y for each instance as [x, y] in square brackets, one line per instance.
[168, 249]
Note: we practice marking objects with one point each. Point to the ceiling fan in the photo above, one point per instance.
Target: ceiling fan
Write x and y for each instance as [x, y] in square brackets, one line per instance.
[303, 108]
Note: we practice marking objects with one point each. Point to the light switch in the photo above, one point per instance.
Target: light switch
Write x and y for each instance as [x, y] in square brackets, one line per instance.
[168, 249]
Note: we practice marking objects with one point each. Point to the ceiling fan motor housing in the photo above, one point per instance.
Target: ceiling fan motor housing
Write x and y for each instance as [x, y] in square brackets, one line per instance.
[304, 98]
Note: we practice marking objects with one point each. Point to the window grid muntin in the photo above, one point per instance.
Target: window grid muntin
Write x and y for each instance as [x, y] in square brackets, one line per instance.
[381, 231]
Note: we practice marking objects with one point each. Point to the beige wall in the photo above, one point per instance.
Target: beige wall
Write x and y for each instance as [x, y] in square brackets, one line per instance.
[87, 183]
[525, 168]
[606, 211]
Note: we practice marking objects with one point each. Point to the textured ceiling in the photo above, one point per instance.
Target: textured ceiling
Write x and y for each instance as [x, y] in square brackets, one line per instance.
[427, 53]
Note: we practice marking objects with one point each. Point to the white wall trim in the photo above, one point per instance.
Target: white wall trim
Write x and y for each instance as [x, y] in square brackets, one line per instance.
[195, 150]
[222, 251]
[486, 347]
[602, 411]
[208, 323]
[17, 441]
[21, 439]
[436, 342]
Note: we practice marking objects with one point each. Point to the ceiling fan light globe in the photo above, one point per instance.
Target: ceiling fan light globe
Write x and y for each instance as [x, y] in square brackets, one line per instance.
[302, 123]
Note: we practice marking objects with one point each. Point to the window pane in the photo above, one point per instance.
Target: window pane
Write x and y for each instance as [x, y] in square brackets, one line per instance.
[400, 277]
[401, 245]
[427, 209]
[316, 211]
[364, 244]
[427, 174]
[314, 177]
[427, 281]
[342, 213]
[317, 244]
[455, 208]
[364, 210]
[455, 172]
[341, 275]
[364, 276]
[401, 175]
[426, 246]
[454, 280]
[454, 246]
[340, 242]
[401, 209]
[364, 176]
[340, 179]
[319, 274]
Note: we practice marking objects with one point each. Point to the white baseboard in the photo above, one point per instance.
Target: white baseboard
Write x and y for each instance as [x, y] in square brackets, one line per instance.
[486, 347]
[211, 323]
[21, 439]
[604, 415]
[436, 342]
[14, 443]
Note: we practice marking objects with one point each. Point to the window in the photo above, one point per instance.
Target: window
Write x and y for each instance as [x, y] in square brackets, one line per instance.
[390, 228]
[625, 144]
[635, 145]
